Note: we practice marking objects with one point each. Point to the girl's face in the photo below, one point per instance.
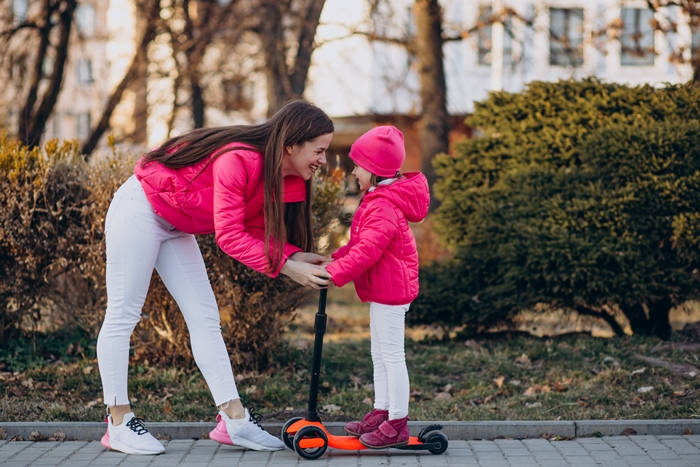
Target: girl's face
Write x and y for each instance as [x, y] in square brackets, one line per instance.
[304, 159]
[363, 176]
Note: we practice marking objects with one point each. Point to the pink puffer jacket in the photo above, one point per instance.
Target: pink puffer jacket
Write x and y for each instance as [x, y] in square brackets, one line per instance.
[381, 256]
[226, 198]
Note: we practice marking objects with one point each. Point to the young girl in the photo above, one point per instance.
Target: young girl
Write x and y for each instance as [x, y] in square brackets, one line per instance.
[381, 258]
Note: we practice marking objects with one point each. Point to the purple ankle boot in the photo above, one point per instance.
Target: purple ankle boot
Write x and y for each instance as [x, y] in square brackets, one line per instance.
[368, 424]
[390, 434]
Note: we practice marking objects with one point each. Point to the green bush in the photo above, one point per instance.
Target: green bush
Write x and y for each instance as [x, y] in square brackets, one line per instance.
[53, 260]
[578, 195]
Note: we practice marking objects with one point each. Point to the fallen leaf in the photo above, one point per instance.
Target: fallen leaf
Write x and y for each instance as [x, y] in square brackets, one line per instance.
[499, 381]
[560, 387]
[331, 408]
[36, 436]
[87, 370]
[523, 361]
[443, 396]
[3, 434]
[629, 432]
[58, 436]
[533, 405]
[680, 393]
[645, 389]
[367, 401]
[638, 372]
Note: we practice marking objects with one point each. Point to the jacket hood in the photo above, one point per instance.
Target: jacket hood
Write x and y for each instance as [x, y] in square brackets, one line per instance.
[410, 193]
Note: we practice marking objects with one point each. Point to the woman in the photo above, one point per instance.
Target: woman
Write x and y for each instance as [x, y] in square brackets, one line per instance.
[228, 181]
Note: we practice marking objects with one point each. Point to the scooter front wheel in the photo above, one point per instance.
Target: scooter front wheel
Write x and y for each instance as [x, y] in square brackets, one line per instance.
[286, 438]
[310, 442]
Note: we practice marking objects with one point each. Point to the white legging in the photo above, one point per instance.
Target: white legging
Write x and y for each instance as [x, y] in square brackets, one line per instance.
[391, 385]
[137, 241]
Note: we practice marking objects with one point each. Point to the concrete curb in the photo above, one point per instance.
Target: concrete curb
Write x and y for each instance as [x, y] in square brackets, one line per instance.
[457, 430]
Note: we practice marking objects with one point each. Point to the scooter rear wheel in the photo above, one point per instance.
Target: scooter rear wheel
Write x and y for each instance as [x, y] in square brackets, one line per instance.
[286, 438]
[310, 432]
[440, 442]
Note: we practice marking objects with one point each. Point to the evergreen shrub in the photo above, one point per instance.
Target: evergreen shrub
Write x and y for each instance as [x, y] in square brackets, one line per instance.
[578, 195]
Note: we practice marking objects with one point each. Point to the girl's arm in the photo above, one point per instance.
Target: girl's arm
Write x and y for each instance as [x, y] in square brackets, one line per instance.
[378, 227]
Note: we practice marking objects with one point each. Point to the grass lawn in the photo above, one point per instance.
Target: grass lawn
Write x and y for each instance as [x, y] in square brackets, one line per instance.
[491, 378]
[521, 378]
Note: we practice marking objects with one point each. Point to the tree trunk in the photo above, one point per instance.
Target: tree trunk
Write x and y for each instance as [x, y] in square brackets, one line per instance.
[284, 82]
[607, 317]
[650, 319]
[309, 24]
[32, 119]
[137, 64]
[434, 125]
[272, 37]
[198, 105]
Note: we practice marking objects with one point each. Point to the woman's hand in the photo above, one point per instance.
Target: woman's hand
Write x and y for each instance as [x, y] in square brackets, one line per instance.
[306, 274]
[311, 258]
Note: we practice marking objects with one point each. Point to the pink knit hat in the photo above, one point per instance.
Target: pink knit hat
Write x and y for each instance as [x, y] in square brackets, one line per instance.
[380, 151]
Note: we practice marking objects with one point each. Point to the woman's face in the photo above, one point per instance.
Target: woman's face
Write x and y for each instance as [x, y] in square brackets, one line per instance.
[303, 160]
[364, 177]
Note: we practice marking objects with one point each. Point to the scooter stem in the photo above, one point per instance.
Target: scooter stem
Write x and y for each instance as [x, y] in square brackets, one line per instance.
[319, 329]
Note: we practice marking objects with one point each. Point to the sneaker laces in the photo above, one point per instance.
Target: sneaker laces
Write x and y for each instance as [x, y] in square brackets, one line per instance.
[255, 417]
[136, 425]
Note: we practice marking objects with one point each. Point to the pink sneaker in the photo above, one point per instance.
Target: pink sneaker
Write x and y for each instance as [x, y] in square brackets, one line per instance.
[390, 434]
[368, 424]
[131, 437]
[245, 432]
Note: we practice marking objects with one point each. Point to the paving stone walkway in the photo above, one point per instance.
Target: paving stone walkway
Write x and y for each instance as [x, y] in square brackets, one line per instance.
[611, 451]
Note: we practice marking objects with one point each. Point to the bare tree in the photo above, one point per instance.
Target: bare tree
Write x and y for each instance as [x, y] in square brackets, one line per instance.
[37, 46]
[286, 29]
[434, 125]
[684, 52]
[151, 8]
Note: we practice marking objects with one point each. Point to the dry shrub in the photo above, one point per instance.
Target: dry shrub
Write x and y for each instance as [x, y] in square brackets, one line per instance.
[44, 203]
[53, 260]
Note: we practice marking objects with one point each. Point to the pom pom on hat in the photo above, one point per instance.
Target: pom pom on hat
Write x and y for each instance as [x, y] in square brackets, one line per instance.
[380, 151]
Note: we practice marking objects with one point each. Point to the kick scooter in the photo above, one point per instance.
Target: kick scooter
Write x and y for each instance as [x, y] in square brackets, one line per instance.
[310, 439]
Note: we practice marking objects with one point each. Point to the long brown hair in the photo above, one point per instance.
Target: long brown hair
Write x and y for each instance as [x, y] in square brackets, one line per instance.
[296, 123]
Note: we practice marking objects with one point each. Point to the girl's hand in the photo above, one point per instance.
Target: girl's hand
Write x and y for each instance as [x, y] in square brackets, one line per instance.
[311, 258]
[306, 274]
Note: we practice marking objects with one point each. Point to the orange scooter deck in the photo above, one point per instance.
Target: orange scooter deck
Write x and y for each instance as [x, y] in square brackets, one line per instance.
[348, 443]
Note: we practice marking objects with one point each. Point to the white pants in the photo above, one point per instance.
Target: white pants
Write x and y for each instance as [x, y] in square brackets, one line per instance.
[391, 385]
[137, 241]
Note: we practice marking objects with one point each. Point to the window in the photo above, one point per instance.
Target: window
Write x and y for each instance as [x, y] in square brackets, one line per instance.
[85, 19]
[82, 121]
[84, 72]
[637, 37]
[484, 37]
[19, 10]
[411, 27]
[566, 36]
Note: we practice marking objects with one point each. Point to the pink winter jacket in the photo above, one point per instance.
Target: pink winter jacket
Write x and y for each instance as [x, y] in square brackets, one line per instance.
[381, 256]
[226, 199]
